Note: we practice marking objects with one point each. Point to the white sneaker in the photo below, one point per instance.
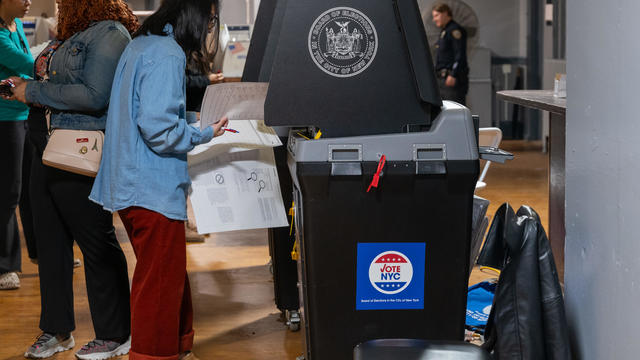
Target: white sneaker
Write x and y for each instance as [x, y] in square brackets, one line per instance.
[103, 349]
[9, 281]
[48, 345]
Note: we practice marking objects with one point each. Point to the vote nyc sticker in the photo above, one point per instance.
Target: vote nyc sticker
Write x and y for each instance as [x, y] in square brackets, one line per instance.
[390, 276]
[391, 272]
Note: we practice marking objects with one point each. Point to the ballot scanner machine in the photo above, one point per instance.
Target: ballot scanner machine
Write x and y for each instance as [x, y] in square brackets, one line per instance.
[383, 172]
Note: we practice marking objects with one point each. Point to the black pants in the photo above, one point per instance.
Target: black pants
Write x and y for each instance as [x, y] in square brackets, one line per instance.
[26, 213]
[63, 213]
[12, 142]
[458, 93]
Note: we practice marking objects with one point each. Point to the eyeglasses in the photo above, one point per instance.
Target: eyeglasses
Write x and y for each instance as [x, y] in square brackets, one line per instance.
[213, 22]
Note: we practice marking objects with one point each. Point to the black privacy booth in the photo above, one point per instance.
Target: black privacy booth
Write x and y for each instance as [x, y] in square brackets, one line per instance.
[262, 51]
[354, 81]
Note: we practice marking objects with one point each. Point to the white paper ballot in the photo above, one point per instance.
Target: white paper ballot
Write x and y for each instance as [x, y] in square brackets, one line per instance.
[251, 135]
[238, 101]
[237, 191]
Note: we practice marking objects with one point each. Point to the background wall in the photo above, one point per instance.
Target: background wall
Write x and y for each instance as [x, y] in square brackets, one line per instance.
[42, 6]
[500, 28]
[233, 11]
[503, 23]
[603, 167]
[138, 4]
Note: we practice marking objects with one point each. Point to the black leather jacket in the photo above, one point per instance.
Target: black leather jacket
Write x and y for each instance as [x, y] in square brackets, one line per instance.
[527, 321]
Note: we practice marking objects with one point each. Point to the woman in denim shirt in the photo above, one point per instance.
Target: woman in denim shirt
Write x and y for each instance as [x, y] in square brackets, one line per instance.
[144, 175]
[76, 75]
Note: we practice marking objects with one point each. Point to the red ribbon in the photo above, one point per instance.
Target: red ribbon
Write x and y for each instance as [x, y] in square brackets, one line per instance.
[376, 176]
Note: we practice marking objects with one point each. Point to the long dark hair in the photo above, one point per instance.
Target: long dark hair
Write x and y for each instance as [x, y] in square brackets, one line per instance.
[191, 21]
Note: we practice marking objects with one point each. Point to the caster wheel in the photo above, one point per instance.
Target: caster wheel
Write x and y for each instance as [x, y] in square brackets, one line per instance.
[294, 327]
[293, 320]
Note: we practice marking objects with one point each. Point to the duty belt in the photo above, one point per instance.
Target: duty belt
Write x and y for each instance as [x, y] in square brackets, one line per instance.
[443, 73]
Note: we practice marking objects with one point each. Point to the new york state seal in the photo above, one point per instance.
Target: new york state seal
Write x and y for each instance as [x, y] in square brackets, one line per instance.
[343, 42]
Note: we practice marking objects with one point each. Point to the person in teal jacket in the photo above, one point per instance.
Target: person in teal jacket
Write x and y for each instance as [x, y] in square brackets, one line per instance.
[73, 77]
[15, 60]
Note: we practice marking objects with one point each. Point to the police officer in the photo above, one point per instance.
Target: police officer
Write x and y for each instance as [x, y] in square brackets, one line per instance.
[452, 69]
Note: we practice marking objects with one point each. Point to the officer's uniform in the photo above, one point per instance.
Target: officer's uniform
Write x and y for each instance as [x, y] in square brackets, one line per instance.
[451, 59]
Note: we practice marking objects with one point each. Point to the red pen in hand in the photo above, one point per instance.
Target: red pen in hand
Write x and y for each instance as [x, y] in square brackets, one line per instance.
[232, 131]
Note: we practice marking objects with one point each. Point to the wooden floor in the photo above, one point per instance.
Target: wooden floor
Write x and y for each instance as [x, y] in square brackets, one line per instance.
[235, 316]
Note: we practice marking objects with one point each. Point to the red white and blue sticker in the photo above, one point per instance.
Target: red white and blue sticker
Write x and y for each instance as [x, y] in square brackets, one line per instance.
[390, 276]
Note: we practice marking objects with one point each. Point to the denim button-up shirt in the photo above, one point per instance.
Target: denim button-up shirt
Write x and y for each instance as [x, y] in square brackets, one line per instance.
[80, 77]
[144, 161]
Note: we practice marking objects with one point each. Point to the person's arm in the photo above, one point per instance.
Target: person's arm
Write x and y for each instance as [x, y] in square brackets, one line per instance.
[94, 89]
[197, 81]
[13, 58]
[159, 120]
[459, 39]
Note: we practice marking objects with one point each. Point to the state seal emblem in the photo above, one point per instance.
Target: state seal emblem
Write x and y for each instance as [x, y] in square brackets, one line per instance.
[343, 42]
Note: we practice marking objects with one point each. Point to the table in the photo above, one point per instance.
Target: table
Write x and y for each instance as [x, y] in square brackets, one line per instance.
[557, 107]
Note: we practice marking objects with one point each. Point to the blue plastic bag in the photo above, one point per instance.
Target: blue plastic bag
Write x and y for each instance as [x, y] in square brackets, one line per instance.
[479, 301]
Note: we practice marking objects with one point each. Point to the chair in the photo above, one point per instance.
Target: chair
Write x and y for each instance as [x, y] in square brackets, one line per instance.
[490, 137]
[409, 349]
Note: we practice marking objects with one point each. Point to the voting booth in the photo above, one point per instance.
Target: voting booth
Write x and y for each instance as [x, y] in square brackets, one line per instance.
[258, 68]
[383, 171]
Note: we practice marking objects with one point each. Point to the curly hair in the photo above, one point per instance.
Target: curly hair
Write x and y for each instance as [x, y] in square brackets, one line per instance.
[76, 15]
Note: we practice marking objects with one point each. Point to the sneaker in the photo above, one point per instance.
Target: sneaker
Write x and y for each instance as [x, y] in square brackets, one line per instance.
[49, 344]
[9, 281]
[103, 349]
[187, 356]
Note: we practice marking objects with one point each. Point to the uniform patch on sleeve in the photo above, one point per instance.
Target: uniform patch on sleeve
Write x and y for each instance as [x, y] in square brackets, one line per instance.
[457, 34]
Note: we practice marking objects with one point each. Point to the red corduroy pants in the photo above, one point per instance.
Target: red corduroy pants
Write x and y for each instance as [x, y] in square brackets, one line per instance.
[161, 310]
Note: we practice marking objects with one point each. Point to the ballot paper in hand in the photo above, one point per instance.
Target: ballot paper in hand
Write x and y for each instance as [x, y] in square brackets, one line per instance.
[237, 101]
[249, 135]
[237, 191]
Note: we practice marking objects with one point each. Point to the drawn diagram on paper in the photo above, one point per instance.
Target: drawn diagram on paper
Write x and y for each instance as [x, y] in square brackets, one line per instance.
[237, 191]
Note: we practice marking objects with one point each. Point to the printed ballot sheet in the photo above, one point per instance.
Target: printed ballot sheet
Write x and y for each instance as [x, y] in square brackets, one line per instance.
[237, 191]
[237, 101]
[250, 135]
